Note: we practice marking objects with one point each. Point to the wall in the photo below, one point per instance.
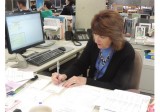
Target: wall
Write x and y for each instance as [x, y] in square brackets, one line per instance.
[85, 11]
[133, 2]
[126, 2]
[147, 2]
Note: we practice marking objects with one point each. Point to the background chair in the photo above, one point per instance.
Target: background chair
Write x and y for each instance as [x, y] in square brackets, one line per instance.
[135, 79]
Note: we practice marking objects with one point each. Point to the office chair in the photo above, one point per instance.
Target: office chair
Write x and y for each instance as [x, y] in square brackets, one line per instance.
[135, 78]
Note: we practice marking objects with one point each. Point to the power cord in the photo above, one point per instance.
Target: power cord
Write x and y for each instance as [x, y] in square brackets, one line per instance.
[76, 43]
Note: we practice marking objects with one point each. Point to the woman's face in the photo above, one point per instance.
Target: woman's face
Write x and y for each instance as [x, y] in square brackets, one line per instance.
[102, 41]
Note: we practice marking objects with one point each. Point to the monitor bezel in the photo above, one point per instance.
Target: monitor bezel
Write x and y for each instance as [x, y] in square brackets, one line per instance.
[23, 49]
[56, 4]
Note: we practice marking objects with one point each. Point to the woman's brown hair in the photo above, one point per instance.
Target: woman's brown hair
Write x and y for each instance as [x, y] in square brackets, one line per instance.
[109, 23]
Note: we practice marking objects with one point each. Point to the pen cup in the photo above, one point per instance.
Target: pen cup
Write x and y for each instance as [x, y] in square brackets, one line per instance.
[40, 108]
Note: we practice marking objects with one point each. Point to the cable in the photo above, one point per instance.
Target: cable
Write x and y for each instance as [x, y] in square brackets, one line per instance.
[76, 43]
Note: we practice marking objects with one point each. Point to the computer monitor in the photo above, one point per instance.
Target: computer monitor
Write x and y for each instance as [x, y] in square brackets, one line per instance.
[23, 30]
[63, 2]
[57, 3]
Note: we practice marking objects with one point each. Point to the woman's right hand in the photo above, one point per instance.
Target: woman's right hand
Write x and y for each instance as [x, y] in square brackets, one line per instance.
[58, 78]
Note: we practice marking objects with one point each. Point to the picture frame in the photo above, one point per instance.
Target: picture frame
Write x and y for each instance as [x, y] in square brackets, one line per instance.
[147, 25]
[140, 32]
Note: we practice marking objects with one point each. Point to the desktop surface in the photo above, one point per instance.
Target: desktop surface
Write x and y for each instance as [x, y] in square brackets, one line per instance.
[70, 53]
[59, 98]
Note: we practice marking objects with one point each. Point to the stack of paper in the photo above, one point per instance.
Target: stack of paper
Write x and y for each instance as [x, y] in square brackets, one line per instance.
[15, 75]
[51, 24]
[75, 99]
[124, 101]
[13, 86]
[149, 41]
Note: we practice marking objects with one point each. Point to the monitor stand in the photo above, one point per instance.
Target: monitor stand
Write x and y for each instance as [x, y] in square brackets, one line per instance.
[20, 61]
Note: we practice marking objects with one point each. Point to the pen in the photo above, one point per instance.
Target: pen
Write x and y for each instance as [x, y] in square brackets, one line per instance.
[58, 67]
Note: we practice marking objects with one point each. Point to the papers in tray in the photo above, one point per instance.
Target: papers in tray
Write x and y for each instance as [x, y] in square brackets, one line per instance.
[55, 28]
[51, 24]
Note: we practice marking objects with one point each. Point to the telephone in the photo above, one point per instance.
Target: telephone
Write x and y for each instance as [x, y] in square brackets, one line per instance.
[79, 35]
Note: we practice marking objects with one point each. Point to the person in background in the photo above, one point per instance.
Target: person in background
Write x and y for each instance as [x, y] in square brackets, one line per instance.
[45, 10]
[21, 6]
[68, 9]
[33, 6]
[107, 55]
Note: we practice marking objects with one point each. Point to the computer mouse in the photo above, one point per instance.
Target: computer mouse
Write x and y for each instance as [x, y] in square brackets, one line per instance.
[62, 48]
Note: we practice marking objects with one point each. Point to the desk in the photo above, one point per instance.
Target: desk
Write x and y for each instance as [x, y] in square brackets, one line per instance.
[25, 105]
[75, 99]
[63, 58]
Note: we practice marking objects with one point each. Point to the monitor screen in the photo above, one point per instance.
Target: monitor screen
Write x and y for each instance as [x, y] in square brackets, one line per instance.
[23, 30]
[57, 3]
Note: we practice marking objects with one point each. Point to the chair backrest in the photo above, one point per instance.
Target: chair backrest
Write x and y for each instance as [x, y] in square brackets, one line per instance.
[135, 79]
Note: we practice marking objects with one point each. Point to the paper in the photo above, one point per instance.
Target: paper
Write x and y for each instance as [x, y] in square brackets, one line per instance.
[15, 75]
[51, 28]
[76, 99]
[149, 41]
[31, 97]
[51, 22]
[12, 86]
[40, 84]
[54, 88]
[123, 101]
[11, 104]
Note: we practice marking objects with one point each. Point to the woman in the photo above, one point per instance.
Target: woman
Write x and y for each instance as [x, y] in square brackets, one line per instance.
[108, 56]
[68, 9]
[46, 9]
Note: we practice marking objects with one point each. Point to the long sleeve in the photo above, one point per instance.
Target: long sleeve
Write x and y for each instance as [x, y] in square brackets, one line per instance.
[67, 10]
[82, 64]
[118, 74]
[121, 79]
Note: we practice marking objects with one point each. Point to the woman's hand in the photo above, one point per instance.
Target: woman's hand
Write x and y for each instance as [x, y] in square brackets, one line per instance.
[58, 78]
[75, 81]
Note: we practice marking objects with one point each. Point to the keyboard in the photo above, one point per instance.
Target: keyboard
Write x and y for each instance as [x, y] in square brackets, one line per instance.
[44, 57]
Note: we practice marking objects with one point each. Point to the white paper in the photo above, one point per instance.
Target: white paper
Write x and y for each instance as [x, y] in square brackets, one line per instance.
[51, 28]
[76, 99]
[12, 86]
[15, 75]
[124, 101]
[54, 88]
[28, 98]
[51, 24]
[40, 84]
